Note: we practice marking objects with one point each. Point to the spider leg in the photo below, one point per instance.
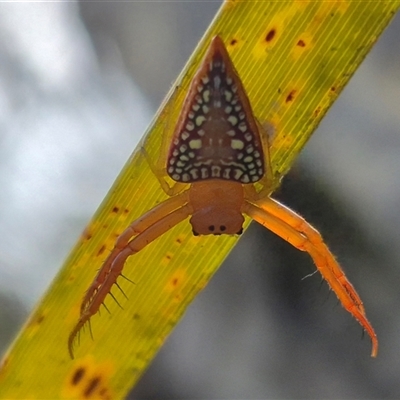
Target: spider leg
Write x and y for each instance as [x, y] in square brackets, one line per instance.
[296, 231]
[138, 226]
[301, 225]
[151, 225]
[159, 168]
[160, 174]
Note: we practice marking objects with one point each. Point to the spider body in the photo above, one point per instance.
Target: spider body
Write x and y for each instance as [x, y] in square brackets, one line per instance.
[219, 150]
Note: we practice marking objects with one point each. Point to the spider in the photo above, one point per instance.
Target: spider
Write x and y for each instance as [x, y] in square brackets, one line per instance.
[218, 152]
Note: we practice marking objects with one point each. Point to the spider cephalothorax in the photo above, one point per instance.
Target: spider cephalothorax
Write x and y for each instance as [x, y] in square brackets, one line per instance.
[216, 207]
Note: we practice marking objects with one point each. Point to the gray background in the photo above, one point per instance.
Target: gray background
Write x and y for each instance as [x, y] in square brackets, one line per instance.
[79, 83]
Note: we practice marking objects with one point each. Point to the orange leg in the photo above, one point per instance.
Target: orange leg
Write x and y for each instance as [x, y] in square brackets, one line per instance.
[295, 230]
[301, 225]
[138, 226]
[151, 225]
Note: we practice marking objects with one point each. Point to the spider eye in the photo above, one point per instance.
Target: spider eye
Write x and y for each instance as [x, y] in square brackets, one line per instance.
[239, 232]
[211, 228]
[222, 228]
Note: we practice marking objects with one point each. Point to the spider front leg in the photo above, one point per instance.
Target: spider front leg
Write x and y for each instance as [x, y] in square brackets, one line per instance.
[160, 174]
[146, 228]
[137, 227]
[295, 230]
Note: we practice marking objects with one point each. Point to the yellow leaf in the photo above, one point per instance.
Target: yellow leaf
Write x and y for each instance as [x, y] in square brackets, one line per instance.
[294, 58]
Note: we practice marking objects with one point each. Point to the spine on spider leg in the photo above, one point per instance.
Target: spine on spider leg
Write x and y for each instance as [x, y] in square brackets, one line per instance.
[114, 271]
[100, 288]
[134, 229]
[99, 280]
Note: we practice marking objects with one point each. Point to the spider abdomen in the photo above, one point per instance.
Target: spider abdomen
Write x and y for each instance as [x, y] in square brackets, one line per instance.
[217, 135]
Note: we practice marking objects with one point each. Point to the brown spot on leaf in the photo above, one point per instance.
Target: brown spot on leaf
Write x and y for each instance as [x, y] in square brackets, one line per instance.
[176, 280]
[178, 297]
[290, 96]
[233, 42]
[101, 250]
[88, 380]
[77, 376]
[316, 112]
[91, 387]
[168, 257]
[270, 35]
[301, 43]
[115, 209]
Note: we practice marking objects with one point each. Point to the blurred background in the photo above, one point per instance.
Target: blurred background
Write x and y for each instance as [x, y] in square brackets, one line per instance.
[79, 83]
